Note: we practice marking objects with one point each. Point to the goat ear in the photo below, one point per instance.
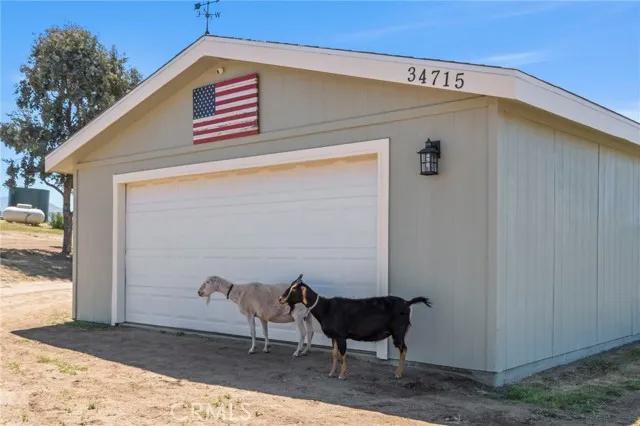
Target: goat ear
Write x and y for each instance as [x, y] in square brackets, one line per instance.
[299, 277]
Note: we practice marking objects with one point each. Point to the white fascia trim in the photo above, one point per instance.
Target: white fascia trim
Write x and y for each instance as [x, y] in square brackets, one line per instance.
[555, 100]
[482, 80]
[379, 147]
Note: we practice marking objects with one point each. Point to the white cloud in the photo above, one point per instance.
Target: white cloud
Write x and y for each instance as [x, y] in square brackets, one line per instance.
[458, 14]
[515, 59]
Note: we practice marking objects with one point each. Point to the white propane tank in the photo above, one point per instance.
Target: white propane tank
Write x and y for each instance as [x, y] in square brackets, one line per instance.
[23, 213]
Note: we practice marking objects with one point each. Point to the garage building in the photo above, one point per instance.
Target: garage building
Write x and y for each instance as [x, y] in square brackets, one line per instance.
[260, 161]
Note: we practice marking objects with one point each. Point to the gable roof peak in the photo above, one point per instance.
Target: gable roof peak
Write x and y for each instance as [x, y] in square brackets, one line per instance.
[495, 81]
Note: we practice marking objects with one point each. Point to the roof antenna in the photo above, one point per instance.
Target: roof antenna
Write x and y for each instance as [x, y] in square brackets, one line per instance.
[198, 7]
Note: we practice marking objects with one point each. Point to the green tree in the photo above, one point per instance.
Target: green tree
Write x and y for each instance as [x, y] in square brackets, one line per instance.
[69, 78]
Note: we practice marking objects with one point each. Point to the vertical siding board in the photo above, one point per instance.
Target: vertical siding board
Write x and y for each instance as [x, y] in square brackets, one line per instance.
[530, 242]
[469, 345]
[617, 258]
[494, 301]
[575, 274]
[426, 236]
[74, 239]
[636, 275]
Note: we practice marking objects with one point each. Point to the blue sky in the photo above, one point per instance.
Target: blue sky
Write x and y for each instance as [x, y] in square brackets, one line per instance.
[590, 48]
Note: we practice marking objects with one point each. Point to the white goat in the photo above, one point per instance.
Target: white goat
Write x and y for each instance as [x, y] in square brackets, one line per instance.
[261, 300]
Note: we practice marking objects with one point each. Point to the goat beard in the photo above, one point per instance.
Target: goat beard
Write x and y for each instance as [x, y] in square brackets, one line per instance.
[208, 299]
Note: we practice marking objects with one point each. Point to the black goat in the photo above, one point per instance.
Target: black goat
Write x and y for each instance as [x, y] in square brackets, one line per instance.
[368, 320]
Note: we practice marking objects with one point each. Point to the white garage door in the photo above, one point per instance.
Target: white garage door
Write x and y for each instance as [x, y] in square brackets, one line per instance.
[263, 224]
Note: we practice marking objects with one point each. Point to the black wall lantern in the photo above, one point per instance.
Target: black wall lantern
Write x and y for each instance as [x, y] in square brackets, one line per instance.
[429, 156]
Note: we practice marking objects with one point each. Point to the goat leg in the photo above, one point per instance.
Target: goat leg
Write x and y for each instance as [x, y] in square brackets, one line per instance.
[252, 328]
[301, 334]
[400, 369]
[343, 367]
[265, 332]
[308, 325]
[334, 355]
[342, 352]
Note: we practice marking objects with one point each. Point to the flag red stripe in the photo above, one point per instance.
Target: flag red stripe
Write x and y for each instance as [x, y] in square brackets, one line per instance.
[228, 136]
[222, 120]
[232, 126]
[236, 80]
[235, 108]
[239, 98]
[218, 129]
[237, 89]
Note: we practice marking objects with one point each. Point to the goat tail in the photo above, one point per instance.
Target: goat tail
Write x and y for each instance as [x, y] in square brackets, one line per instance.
[424, 300]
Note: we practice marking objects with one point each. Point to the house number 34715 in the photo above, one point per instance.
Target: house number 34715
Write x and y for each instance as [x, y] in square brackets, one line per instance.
[436, 78]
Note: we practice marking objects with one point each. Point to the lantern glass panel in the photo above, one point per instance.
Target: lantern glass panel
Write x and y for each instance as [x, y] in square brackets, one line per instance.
[429, 156]
[430, 163]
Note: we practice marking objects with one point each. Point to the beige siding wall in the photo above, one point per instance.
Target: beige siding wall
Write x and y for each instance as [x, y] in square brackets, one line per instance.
[575, 239]
[570, 242]
[529, 210]
[618, 245]
[289, 99]
[438, 225]
[93, 229]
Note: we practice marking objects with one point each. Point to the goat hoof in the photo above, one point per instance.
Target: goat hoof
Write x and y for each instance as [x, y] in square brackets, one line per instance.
[266, 350]
[332, 374]
[342, 377]
[296, 354]
[398, 376]
[251, 351]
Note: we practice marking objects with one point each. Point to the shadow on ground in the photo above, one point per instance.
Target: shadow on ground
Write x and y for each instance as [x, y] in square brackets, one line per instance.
[219, 360]
[37, 263]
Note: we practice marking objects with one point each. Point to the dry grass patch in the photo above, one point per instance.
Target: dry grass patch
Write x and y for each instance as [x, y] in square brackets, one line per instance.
[584, 388]
[31, 253]
[21, 227]
[14, 367]
[581, 399]
[63, 366]
[63, 318]
[59, 318]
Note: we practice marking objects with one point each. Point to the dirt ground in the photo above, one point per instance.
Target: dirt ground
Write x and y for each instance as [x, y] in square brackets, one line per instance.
[57, 371]
[32, 256]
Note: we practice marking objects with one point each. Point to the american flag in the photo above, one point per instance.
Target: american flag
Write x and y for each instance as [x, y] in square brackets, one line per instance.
[225, 110]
